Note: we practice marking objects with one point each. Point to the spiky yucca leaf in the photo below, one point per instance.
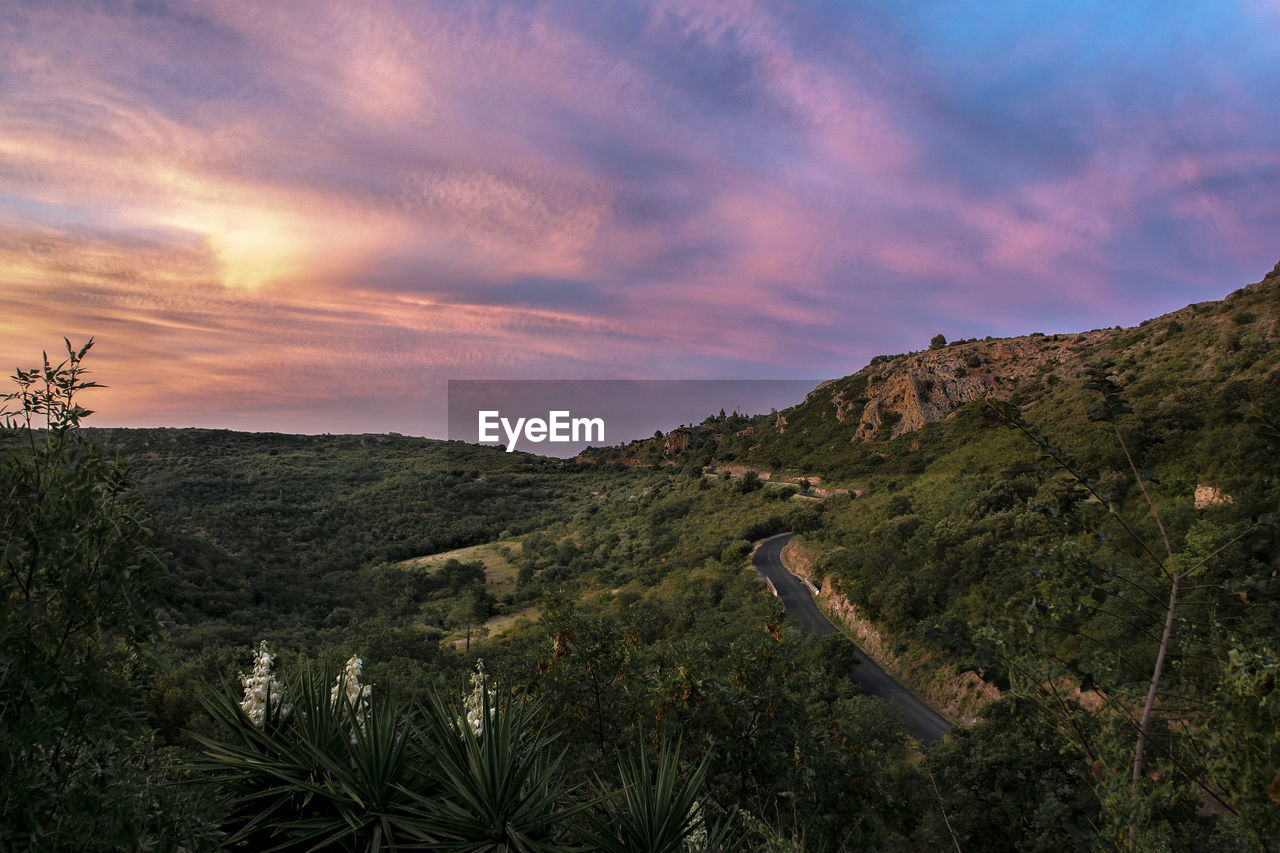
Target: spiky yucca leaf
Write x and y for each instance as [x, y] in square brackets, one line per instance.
[501, 790]
[659, 811]
[321, 776]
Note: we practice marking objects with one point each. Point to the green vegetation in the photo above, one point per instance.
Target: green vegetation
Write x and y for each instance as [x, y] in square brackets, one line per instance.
[340, 767]
[1153, 591]
[77, 584]
[266, 530]
[1114, 578]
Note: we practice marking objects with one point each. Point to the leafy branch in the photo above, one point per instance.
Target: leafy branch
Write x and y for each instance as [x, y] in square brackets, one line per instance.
[1109, 408]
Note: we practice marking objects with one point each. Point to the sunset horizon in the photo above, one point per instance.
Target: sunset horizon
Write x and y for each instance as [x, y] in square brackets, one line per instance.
[310, 219]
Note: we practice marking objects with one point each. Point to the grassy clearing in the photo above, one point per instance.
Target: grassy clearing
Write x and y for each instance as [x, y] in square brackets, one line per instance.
[498, 624]
[498, 559]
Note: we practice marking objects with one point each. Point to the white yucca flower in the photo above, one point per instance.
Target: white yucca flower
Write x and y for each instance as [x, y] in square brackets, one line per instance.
[349, 688]
[478, 701]
[696, 841]
[261, 688]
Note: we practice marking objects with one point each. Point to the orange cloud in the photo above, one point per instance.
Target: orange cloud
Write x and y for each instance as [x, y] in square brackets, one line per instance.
[256, 209]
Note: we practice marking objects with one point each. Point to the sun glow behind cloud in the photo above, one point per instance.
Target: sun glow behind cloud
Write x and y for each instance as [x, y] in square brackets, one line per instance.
[310, 221]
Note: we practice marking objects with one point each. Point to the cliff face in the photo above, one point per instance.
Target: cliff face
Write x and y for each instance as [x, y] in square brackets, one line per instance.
[895, 396]
[676, 442]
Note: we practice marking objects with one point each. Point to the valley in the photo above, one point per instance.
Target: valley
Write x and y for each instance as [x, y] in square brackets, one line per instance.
[1000, 520]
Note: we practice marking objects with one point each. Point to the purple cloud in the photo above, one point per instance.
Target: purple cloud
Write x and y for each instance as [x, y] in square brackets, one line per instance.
[668, 189]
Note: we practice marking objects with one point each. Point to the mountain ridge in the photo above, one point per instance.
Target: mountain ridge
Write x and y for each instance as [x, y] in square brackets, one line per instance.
[897, 395]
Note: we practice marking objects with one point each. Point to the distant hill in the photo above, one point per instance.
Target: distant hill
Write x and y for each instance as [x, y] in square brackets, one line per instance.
[261, 524]
[1208, 348]
[266, 531]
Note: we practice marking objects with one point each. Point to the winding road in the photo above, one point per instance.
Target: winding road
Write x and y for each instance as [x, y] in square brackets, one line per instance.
[923, 723]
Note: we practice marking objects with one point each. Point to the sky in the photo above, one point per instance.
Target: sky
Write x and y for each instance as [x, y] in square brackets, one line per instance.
[308, 217]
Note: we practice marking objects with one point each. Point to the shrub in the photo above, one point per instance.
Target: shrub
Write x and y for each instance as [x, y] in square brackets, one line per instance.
[660, 813]
[749, 482]
[735, 553]
[328, 764]
[77, 577]
[311, 763]
[500, 788]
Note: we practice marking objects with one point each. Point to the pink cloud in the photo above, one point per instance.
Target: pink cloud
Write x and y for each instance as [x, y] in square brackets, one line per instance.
[413, 191]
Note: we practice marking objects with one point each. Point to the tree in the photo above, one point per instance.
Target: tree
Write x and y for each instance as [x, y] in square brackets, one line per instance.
[468, 612]
[588, 672]
[938, 341]
[76, 580]
[749, 482]
[1010, 783]
[1154, 632]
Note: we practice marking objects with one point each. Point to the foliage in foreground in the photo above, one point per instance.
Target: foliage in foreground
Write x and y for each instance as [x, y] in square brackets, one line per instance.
[312, 767]
[660, 811]
[78, 767]
[1162, 716]
[321, 769]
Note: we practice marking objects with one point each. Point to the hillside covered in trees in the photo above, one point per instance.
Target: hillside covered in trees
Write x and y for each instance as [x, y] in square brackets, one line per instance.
[1069, 538]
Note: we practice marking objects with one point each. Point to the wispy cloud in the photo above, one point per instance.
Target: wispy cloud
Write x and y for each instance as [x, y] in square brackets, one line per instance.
[265, 210]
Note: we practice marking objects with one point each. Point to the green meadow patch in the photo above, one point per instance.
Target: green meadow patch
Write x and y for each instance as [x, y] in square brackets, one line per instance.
[499, 560]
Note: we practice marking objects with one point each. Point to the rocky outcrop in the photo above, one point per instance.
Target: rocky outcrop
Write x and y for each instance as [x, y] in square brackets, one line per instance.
[1273, 276]
[898, 394]
[927, 390]
[677, 441]
[1207, 495]
[905, 393]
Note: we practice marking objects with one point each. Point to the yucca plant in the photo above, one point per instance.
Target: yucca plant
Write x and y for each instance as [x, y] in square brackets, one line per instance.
[501, 788]
[656, 811]
[326, 772]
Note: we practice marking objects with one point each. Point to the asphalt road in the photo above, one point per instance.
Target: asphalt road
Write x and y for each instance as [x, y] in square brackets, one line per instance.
[923, 723]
